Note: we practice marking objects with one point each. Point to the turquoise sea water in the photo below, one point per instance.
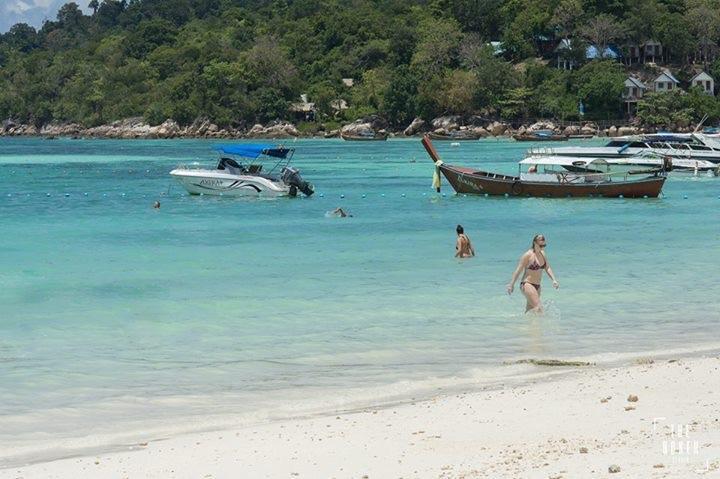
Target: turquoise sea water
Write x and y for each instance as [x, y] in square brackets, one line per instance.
[118, 317]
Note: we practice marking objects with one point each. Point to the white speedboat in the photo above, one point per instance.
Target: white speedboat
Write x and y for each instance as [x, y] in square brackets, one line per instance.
[688, 146]
[622, 165]
[234, 178]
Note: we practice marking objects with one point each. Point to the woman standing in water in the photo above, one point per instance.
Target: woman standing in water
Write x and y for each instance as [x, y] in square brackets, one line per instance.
[532, 262]
[463, 246]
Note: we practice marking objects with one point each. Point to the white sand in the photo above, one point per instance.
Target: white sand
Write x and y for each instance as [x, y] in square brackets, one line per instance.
[531, 431]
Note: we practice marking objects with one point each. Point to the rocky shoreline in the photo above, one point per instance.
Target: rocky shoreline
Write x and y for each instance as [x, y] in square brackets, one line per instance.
[136, 128]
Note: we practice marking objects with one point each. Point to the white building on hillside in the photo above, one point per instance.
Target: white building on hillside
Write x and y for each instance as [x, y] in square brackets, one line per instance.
[665, 82]
[705, 82]
[634, 91]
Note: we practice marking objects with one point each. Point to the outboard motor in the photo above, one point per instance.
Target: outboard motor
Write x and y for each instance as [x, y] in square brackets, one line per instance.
[291, 177]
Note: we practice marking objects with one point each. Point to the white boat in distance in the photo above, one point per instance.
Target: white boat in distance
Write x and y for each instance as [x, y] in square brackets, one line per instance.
[641, 160]
[690, 146]
[233, 178]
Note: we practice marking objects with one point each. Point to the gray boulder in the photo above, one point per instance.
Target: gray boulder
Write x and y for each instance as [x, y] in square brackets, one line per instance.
[358, 128]
[496, 128]
[415, 127]
[447, 123]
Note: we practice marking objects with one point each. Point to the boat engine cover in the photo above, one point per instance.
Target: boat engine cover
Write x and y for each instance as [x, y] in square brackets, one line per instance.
[291, 177]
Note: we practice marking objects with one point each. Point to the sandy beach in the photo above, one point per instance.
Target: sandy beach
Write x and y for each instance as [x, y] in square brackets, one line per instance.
[656, 418]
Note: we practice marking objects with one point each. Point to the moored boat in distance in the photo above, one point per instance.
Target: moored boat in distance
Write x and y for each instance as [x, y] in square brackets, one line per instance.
[552, 184]
[376, 136]
[233, 178]
[692, 146]
[540, 135]
[454, 136]
[642, 160]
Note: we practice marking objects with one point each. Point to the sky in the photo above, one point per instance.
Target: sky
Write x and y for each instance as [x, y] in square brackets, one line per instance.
[32, 12]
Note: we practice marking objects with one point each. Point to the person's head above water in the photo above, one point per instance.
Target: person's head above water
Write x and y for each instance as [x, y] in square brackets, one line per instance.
[459, 229]
[539, 241]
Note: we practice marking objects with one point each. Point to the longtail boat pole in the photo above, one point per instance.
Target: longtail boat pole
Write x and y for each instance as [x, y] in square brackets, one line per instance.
[430, 148]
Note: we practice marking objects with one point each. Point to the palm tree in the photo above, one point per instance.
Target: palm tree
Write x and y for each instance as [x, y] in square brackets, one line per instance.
[94, 4]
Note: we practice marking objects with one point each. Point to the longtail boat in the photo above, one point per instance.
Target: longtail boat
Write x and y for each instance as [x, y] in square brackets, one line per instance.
[454, 136]
[374, 137]
[540, 135]
[550, 184]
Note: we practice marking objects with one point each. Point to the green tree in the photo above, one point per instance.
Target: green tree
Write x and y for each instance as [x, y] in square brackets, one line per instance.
[149, 35]
[601, 85]
[370, 91]
[528, 27]
[437, 48]
[567, 16]
[666, 109]
[22, 37]
[400, 106]
[515, 104]
[673, 32]
[603, 30]
[704, 21]
[700, 104]
[458, 92]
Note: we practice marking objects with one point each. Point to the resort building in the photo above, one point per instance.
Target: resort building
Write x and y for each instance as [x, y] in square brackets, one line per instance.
[650, 50]
[634, 91]
[569, 54]
[303, 110]
[665, 82]
[563, 55]
[705, 82]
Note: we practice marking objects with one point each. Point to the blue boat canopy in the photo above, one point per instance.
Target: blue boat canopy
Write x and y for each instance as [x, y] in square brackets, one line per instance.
[254, 150]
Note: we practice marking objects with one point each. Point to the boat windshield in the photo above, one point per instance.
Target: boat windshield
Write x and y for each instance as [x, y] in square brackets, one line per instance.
[255, 151]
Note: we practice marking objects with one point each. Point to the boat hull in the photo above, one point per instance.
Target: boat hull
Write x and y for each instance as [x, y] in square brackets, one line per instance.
[441, 137]
[376, 137]
[540, 138]
[468, 181]
[208, 182]
[612, 152]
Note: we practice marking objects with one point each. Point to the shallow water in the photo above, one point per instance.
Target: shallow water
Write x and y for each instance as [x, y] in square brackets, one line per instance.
[113, 312]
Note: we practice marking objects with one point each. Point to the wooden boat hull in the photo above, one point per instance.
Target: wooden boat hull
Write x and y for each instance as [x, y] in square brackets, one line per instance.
[440, 137]
[540, 138]
[469, 181]
[555, 185]
[376, 137]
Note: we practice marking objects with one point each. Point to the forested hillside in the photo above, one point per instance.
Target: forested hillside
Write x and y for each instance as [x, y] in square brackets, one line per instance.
[242, 61]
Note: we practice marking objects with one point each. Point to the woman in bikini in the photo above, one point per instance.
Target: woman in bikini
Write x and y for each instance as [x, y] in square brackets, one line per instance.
[463, 246]
[533, 262]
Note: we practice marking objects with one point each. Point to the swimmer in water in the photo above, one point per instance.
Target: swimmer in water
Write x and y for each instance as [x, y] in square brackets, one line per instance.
[463, 246]
[340, 213]
[533, 262]
[156, 205]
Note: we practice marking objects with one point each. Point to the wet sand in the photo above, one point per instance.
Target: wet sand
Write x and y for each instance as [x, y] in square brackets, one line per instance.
[585, 424]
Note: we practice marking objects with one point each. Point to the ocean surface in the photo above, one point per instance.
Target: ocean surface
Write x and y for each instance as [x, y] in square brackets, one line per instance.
[117, 318]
